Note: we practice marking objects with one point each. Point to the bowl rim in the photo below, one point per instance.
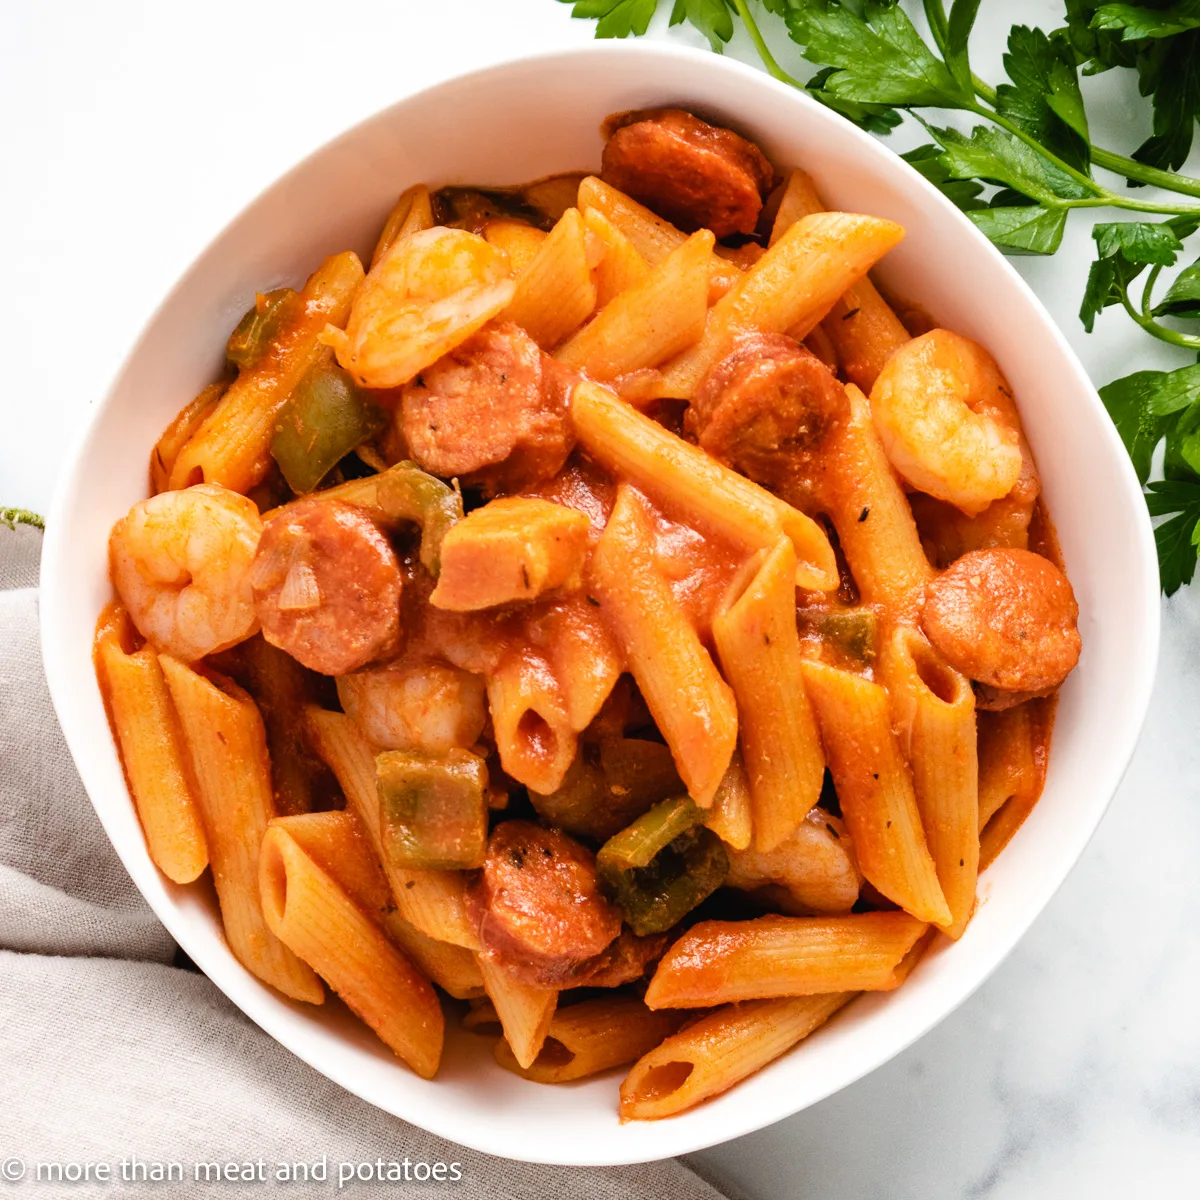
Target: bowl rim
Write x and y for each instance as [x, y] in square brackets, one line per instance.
[678, 1135]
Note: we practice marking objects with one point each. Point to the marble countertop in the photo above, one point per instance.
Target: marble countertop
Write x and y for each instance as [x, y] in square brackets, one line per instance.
[135, 130]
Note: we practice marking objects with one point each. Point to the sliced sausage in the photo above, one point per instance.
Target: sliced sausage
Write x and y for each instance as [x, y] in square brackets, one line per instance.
[1006, 618]
[695, 174]
[625, 961]
[327, 586]
[766, 407]
[492, 412]
[538, 905]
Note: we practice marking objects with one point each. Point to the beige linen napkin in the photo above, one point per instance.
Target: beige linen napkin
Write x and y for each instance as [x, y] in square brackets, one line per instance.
[108, 1051]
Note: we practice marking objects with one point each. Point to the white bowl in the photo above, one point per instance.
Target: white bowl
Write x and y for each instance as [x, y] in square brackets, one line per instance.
[514, 123]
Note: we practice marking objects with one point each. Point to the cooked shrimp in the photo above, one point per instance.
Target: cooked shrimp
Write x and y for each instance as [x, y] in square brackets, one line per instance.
[814, 867]
[428, 293]
[946, 420]
[181, 563]
[426, 706]
[1006, 618]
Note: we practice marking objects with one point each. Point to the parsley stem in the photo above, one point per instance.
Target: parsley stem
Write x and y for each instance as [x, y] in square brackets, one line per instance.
[1172, 337]
[768, 59]
[1148, 291]
[935, 14]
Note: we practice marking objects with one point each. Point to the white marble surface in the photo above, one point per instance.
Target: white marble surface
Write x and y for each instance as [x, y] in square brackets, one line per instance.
[134, 130]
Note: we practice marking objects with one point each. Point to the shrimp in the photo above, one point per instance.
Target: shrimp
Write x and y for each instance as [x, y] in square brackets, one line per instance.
[425, 705]
[947, 422]
[814, 867]
[180, 562]
[1005, 618]
[428, 293]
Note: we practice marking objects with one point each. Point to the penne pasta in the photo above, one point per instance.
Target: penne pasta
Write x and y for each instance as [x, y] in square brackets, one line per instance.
[232, 446]
[730, 815]
[521, 242]
[696, 488]
[1031, 763]
[933, 709]
[716, 1051]
[1007, 767]
[555, 293]
[524, 1011]
[152, 751]
[691, 704]
[591, 1037]
[652, 236]
[227, 751]
[621, 266]
[789, 289]
[649, 322]
[875, 788]
[719, 962]
[874, 523]
[310, 913]
[453, 968]
[413, 213]
[759, 648]
[530, 722]
[432, 901]
[175, 436]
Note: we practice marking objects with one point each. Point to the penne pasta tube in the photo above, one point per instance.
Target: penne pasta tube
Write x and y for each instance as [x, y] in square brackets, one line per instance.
[584, 655]
[874, 523]
[482, 1018]
[519, 240]
[152, 751]
[433, 901]
[730, 815]
[413, 212]
[692, 705]
[227, 751]
[453, 968]
[591, 1037]
[789, 289]
[933, 709]
[721, 1048]
[555, 294]
[622, 266]
[313, 915]
[719, 962]
[232, 446]
[530, 721]
[694, 486]
[861, 327]
[1011, 815]
[175, 436]
[759, 648]
[649, 322]
[875, 788]
[652, 236]
[1006, 758]
[525, 1012]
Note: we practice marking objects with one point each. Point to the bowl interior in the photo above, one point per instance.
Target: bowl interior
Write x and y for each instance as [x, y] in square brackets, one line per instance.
[509, 125]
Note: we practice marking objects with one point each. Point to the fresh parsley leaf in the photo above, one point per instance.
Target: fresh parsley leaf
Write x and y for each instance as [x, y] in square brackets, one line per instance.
[616, 18]
[1176, 539]
[1169, 70]
[1136, 22]
[874, 118]
[1145, 405]
[1183, 296]
[958, 33]
[878, 55]
[998, 157]
[1024, 229]
[1043, 97]
[963, 192]
[1098, 49]
[711, 17]
[1141, 242]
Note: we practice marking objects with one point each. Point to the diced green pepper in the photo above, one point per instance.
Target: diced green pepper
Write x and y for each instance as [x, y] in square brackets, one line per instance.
[662, 866]
[258, 328]
[847, 635]
[433, 809]
[325, 417]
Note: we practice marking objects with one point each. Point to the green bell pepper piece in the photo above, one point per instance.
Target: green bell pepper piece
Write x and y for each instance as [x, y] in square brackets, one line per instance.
[252, 338]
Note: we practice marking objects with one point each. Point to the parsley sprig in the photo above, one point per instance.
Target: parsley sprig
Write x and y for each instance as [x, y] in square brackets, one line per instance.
[1021, 173]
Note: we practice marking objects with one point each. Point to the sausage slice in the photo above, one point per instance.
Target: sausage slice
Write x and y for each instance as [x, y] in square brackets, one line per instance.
[766, 406]
[492, 412]
[1005, 618]
[695, 174]
[538, 904]
[327, 586]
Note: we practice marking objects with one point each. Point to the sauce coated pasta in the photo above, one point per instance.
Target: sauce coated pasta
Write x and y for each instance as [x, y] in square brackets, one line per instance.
[603, 623]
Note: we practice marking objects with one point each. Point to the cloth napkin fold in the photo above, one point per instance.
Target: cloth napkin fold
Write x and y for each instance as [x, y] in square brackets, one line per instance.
[109, 1051]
